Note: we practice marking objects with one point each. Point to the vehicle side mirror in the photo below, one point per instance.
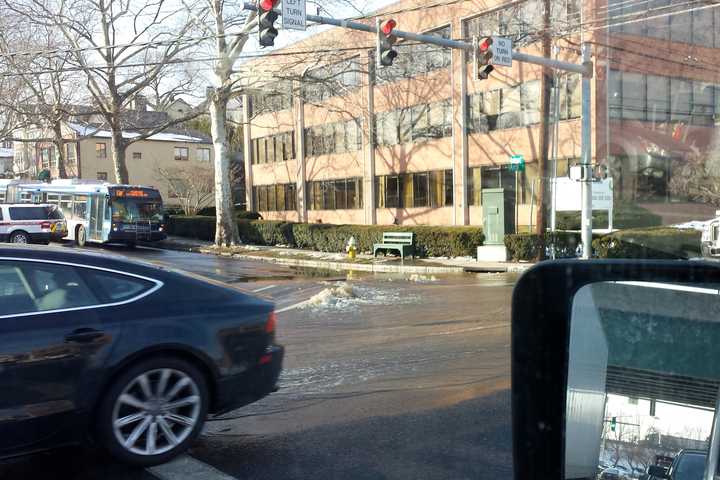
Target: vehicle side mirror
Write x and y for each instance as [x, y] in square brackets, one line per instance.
[658, 471]
[598, 347]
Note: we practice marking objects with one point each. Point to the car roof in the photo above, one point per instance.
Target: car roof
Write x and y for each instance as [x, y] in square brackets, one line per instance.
[69, 255]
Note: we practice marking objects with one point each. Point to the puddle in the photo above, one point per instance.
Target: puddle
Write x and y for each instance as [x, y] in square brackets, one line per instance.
[295, 273]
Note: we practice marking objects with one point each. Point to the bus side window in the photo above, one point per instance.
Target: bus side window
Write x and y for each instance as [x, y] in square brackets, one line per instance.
[66, 203]
[80, 206]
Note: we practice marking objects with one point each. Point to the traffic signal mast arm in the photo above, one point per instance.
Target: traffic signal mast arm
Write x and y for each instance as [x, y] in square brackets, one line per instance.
[584, 69]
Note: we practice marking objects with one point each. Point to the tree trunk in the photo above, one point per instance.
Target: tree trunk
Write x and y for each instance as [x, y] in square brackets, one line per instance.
[226, 231]
[118, 156]
[544, 147]
[59, 143]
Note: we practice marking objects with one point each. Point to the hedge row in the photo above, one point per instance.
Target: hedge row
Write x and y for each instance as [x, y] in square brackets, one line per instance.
[654, 243]
[429, 241]
[625, 215]
[527, 246]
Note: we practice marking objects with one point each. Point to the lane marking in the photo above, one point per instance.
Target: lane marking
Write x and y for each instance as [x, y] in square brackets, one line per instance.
[186, 467]
[471, 329]
[264, 288]
[291, 307]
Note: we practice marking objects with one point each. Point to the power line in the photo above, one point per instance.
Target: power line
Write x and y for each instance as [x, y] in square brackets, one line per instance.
[314, 51]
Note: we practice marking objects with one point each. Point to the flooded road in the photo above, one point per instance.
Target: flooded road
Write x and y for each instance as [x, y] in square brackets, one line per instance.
[386, 375]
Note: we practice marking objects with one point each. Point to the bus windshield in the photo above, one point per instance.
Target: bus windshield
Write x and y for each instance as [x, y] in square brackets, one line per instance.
[136, 209]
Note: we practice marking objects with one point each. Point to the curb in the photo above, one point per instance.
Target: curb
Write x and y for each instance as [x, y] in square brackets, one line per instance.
[340, 266]
[329, 265]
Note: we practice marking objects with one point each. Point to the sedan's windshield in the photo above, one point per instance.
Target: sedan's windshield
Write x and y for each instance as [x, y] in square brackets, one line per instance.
[133, 210]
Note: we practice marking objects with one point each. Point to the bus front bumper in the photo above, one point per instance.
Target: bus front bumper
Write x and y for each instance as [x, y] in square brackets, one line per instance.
[130, 236]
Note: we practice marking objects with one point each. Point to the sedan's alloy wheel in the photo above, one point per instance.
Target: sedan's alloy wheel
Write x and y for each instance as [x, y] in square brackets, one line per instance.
[156, 411]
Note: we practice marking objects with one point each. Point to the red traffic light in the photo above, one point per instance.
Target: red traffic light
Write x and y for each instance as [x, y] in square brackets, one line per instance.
[387, 26]
[267, 5]
[485, 44]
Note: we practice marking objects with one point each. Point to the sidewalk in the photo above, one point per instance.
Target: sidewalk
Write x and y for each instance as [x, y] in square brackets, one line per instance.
[340, 261]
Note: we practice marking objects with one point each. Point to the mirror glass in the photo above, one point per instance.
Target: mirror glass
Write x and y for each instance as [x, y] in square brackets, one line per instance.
[643, 377]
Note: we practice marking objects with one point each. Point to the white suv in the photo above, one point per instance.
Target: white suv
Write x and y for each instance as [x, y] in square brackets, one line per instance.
[31, 223]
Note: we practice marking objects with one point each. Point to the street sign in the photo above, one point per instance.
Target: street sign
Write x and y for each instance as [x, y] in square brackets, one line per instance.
[568, 198]
[517, 163]
[502, 51]
[294, 14]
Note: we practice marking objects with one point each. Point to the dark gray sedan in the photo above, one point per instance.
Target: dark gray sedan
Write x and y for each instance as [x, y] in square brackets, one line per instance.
[131, 356]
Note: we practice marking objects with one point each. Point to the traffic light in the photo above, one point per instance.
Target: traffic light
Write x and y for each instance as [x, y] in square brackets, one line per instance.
[600, 172]
[613, 423]
[267, 16]
[483, 54]
[385, 41]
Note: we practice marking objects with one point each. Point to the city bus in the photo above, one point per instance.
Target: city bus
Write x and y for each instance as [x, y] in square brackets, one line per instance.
[97, 211]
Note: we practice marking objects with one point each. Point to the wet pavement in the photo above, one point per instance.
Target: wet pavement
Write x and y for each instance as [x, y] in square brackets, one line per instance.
[386, 376]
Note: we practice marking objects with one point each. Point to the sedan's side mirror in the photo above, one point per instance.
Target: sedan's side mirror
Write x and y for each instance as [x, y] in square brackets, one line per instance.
[612, 361]
[657, 471]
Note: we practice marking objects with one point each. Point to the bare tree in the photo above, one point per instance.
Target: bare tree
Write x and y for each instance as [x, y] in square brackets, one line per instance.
[49, 88]
[122, 48]
[192, 186]
[696, 178]
[228, 26]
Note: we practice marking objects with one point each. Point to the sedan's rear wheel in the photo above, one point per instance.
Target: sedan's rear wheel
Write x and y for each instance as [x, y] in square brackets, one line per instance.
[153, 411]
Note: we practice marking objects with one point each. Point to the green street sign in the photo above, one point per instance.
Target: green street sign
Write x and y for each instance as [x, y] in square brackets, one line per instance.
[517, 163]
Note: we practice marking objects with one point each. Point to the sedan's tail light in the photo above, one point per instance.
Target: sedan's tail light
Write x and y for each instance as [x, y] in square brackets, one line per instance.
[271, 323]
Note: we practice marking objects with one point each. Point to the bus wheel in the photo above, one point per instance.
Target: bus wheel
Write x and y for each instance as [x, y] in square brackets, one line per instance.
[130, 244]
[80, 236]
[19, 237]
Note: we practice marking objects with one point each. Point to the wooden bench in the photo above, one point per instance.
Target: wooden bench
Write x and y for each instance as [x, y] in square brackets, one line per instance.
[399, 241]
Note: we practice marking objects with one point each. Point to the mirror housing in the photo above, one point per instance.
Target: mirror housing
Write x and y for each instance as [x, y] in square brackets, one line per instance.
[658, 471]
[540, 337]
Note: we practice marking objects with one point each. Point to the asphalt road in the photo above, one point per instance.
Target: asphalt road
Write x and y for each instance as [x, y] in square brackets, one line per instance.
[386, 376]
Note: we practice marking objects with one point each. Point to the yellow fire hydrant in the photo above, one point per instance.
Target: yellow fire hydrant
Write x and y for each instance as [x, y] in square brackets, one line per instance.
[351, 248]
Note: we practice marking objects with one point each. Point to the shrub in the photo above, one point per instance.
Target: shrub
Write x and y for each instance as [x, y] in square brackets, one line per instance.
[625, 215]
[239, 214]
[526, 246]
[200, 227]
[655, 243]
[429, 241]
[266, 232]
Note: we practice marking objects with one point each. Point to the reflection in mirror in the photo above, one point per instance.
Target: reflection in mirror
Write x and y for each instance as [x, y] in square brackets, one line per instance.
[643, 377]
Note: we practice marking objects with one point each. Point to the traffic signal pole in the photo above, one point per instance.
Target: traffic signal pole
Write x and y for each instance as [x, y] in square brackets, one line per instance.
[585, 69]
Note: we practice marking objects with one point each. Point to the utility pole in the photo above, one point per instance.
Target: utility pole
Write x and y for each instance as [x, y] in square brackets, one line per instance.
[587, 180]
[546, 84]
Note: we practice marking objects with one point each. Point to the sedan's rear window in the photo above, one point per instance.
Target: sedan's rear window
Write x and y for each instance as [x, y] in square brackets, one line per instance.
[118, 287]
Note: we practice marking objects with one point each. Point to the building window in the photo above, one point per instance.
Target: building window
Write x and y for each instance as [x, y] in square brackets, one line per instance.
[333, 138]
[419, 190]
[203, 155]
[137, 156]
[272, 101]
[416, 59]
[634, 96]
[277, 197]
[70, 153]
[181, 153]
[46, 154]
[275, 148]
[673, 22]
[327, 81]
[340, 194]
[102, 176]
[100, 150]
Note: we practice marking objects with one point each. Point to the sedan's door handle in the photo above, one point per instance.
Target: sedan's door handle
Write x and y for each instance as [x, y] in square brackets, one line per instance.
[83, 335]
